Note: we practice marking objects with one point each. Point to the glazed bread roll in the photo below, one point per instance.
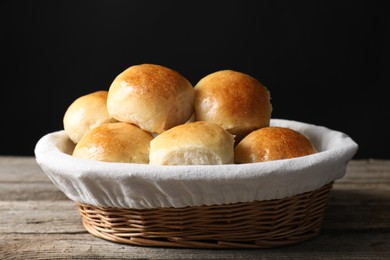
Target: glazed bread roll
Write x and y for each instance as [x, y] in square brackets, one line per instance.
[86, 113]
[193, 143]
[272, 143]
[151, 96]
[115, 142]
[234, 100]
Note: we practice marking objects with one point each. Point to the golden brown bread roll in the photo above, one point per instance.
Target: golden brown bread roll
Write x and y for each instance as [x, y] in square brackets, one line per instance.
[86, 113]
[234, 100]
[193, 143]
[115, 142]
[272, 143]
[151, 96]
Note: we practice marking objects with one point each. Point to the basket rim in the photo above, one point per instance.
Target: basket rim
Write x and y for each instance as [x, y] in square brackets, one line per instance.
[345, 148]
[149, 186]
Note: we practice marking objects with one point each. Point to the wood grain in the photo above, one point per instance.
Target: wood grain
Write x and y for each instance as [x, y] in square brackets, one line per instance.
[372, 245]
[37, 221]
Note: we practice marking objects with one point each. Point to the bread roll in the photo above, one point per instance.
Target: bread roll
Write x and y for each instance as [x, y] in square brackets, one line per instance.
[193, 143]
[151, 96]
[86, 113]
[115, 142]
[234, 100]
[272, 143]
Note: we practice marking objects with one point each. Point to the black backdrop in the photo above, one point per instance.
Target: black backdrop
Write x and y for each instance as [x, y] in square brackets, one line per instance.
[324, 62]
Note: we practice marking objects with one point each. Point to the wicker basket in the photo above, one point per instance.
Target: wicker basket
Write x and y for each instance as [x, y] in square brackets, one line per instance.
[259, 224]
[258, 205]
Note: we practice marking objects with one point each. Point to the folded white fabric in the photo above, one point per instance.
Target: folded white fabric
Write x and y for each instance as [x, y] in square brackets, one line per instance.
[141, 186]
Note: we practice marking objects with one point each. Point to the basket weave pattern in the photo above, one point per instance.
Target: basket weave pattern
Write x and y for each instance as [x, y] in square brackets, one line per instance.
[258, 224]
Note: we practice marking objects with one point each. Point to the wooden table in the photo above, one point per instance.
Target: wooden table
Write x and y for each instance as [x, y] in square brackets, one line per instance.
[37, 221]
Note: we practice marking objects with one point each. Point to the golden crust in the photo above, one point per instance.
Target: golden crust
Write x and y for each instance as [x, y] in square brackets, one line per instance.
[115, 142]
[86, 113]
[151, 96]
[236, 101]
[154, 81]
[272, 143]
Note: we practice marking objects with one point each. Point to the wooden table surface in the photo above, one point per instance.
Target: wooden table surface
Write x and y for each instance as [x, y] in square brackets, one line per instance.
[37, 221]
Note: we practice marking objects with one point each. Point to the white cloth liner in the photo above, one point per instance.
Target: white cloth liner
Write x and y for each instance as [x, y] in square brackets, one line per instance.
[142, 186]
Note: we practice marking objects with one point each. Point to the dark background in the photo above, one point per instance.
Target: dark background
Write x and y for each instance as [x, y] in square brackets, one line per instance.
[324, 62]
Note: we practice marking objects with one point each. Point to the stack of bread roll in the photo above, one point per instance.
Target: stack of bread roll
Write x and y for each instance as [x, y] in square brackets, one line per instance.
[152, 114]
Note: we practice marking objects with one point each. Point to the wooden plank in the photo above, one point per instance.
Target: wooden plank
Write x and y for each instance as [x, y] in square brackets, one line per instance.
[21, 178]
[357, 217]
[21, 169]
[370, 244]
[40, 217]
[63, 216]
[30, 191]
[16, 160]
[367, 171]
[352, 193]
[38, 221]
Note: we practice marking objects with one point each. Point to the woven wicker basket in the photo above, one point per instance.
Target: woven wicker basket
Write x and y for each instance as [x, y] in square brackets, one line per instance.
[259, 224]
[259, 205]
